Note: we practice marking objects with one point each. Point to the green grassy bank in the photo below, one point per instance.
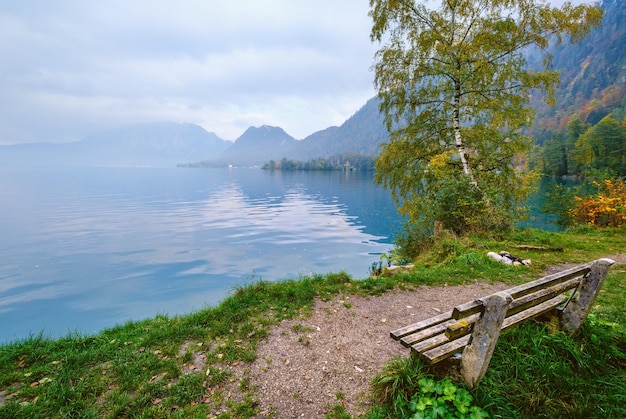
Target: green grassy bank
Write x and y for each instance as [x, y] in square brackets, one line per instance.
[151, 368]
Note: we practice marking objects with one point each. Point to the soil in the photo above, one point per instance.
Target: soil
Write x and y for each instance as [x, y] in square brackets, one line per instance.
[310, 364]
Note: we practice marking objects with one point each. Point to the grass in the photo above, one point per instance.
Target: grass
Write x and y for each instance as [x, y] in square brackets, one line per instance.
[184, 366]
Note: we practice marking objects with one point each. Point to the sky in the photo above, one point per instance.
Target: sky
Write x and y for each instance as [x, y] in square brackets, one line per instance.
[71, 68]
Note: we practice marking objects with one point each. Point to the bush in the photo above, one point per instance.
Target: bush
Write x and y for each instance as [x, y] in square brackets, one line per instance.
[605, 209]
[596, 203]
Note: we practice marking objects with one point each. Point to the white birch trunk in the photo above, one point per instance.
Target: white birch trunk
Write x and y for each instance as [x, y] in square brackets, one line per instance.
[460, 145]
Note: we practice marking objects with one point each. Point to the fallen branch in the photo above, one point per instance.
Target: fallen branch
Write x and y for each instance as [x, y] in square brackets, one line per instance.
[541, 248]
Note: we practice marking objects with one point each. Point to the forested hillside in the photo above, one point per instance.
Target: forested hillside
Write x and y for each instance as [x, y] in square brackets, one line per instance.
[582, 147]
[593, 77]
[586, 129]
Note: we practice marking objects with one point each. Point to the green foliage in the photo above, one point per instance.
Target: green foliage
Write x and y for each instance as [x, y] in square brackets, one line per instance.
[603, 146]
[443, 399]
[344, 161]
[454, 84]
[600, 147]
[404, 390]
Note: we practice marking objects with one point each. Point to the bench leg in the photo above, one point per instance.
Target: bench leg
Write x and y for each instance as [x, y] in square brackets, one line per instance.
[575, 312]
[477, 354]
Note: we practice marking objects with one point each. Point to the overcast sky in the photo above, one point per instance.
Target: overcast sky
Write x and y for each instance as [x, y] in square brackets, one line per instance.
[72, 68]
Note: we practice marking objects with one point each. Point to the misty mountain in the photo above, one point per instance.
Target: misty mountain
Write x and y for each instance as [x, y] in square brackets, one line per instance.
[361, 134]
[258, 145]
[154, 144]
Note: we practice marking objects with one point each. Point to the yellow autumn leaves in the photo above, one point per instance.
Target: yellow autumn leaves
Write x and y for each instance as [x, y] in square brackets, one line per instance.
[605, 209]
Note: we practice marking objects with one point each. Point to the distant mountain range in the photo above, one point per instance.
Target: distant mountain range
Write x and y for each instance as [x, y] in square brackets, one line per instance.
[593, 85]
[168, 144]
[156, 144]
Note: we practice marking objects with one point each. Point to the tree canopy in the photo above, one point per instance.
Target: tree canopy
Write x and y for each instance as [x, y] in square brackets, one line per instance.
[454, 87]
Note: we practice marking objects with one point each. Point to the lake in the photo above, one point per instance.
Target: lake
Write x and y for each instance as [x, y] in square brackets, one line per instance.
[85, 249]
[89, 248]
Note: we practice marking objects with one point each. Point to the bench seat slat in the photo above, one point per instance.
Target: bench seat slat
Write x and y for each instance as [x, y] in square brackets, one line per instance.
[540, 296]
[416, 327]
[427, 344]
[535, 311]
[444, 351]
[475, 306]
[530, 287]
[412, 339]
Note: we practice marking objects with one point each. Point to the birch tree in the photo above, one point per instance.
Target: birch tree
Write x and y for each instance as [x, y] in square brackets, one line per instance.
[454, 90]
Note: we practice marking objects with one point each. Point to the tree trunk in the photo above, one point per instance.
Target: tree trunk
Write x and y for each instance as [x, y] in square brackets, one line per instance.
[458, 138]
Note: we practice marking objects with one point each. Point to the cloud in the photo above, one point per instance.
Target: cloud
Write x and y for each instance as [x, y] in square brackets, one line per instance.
[71, 68]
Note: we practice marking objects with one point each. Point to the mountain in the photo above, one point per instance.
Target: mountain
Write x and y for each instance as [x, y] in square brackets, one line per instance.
[362, 133]
[258, 145]
[154, 144]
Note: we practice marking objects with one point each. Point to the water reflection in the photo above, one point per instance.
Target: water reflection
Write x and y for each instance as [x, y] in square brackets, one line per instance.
[86, 249]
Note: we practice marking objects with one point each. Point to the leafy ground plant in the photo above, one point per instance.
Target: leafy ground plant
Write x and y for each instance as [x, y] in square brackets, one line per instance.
[443, 399]
[404, 389]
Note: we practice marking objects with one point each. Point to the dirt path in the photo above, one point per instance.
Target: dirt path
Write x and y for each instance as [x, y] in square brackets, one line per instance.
[308, 365]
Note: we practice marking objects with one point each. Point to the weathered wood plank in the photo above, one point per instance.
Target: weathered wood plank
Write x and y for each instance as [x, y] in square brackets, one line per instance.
[433, 342]
[416, 327]
[460, 328]
[444, 351]
[535, 311]
[467, 309]
[547, 281]
[412, 339]
[538, 297]
[475, 306]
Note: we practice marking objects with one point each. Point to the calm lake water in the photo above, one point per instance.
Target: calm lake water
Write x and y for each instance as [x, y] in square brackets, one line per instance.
[85, 249]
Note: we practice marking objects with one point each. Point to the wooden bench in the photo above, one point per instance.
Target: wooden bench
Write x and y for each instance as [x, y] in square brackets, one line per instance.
[471, 330]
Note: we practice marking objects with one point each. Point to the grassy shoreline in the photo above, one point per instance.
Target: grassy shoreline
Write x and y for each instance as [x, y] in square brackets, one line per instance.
[151, 368]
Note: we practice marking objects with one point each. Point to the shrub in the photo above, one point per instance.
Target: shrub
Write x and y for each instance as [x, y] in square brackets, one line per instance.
[605, 209]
